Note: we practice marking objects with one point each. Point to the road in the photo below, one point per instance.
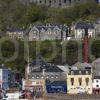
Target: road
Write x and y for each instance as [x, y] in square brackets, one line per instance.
[72, 97]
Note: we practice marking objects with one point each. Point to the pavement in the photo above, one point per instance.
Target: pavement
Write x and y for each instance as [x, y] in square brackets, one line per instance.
[72, 97]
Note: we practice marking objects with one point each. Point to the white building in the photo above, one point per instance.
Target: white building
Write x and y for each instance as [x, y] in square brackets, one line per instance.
[80, 29]
[96, 85]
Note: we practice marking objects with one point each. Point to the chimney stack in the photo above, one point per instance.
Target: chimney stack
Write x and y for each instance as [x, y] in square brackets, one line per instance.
[85, 47]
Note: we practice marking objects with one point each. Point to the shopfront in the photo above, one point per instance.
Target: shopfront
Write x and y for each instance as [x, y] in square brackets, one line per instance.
[34, 85]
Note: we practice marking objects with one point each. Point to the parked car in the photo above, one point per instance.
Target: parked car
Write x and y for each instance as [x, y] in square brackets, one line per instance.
[14, 95]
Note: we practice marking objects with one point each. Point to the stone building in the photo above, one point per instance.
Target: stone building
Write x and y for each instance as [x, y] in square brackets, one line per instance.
[40, 69]
[56, 3]
[15, 33]
[97, 27]
[96, 67]
[48, 32]
[80, 29]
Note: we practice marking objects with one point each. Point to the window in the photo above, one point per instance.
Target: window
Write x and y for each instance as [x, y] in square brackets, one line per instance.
[70, 1]
[72, 72]
[37, 76]
[97, 81]
[33, 77]
[87, 81]
[87, 73]
[54, 1]
[72, 81]
[40, 1]
[42, 77]
[80, 72]
[45, 2]
[47, 77]
[80, 81]
[50, 2]
[56, 76]
[97, 85]
[59, 3]
[65, 1]
[52, 77]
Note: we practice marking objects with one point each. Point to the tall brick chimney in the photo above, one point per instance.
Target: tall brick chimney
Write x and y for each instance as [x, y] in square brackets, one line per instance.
[86, 47]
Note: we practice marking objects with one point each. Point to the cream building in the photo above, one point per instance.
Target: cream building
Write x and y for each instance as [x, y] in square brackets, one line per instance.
[79, 81]
[34, 84]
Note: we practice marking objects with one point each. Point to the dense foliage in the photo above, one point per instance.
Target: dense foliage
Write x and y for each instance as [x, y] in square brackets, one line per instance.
[52, 51]
[96, 48]
[15, 14]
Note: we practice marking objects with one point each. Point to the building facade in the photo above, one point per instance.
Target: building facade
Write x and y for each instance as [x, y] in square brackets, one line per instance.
[96, 85]
[80, 29]
[79, 81]
[97, 27]
[34, 85]
[6, 78]
[56, 3]
[48, 32]
[96, 67]
[39, 70]
[15, 33]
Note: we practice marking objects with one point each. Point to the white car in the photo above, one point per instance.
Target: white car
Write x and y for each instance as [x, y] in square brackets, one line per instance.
[12, 96]
[81, 90]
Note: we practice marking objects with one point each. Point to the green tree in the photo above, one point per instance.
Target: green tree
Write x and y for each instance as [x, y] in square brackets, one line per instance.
[96, 48]
[71, 52]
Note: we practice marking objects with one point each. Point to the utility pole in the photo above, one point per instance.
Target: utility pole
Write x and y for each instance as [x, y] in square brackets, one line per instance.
[27, 69]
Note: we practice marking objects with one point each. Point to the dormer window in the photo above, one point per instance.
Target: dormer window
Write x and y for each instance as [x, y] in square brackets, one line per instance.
[42, 77]
[47, 77]
[33, 77]
[72, 72]
[52, 77]
[37, 76]
[80, 72]
[56, 76]
[87, 72]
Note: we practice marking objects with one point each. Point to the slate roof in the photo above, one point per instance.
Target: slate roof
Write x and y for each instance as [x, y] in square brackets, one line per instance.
[84, 25]
[80, 65]
[42, 64]
[15, 30]
[77, 72]
[51, 26]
